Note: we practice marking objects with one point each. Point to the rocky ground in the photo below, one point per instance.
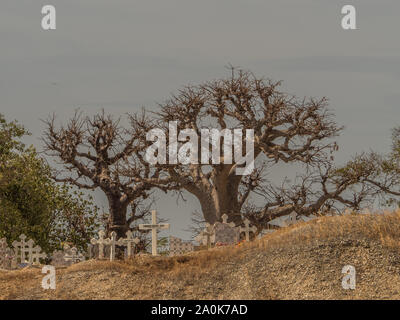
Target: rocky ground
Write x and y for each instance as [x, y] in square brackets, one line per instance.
[301, 262]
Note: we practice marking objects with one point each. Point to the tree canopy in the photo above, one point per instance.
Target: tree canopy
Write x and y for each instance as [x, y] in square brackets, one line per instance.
[32, 203]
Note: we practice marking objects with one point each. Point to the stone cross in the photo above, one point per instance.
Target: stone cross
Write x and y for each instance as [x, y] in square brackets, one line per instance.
[129, 241]
[35, 255]
[101, 242]
[25, 251]
[113, 242]
[205, 236]
[74, 256]
[20, 248]
[247, 229]
[154, 227]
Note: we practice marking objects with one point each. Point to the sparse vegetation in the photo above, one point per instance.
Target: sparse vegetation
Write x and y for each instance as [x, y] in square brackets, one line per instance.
[301, 261]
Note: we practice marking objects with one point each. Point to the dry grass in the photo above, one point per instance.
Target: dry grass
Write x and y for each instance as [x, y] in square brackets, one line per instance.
[193, 262]
[301, 261]
[384, 228]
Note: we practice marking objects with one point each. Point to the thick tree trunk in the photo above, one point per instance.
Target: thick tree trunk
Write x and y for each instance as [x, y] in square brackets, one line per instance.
[208, 207]
[118, 222]
[225, 196]
[223, 199]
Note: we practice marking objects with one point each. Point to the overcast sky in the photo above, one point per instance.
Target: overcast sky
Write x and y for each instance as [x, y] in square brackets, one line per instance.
[122, 55]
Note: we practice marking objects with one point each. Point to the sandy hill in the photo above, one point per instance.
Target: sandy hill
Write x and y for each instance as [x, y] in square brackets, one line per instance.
[300, 262]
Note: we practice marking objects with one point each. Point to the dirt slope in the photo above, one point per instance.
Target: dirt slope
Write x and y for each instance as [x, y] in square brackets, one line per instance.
[301, 262]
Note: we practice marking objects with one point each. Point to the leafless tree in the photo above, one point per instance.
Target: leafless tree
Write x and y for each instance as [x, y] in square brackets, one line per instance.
[91, 150]
[286, 129]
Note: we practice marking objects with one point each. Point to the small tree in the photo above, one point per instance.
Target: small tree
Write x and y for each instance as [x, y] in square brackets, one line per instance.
[32, 203]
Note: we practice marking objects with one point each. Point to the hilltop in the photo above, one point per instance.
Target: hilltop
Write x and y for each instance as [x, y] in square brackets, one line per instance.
[303, 261]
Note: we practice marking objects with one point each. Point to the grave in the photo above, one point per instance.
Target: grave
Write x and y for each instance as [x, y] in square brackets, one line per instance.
[207, 236]
[26, 253]
[114, 242]
[111, 242]
[72, 256]
[226, 233]
[100, 243]
[247, 229]
[129, 242]
[154, 227]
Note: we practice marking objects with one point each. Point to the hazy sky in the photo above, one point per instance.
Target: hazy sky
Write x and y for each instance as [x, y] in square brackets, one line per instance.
[122, 55]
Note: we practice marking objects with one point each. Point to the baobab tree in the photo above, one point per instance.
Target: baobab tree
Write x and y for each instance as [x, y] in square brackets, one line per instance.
[90, 151]
[286, 129]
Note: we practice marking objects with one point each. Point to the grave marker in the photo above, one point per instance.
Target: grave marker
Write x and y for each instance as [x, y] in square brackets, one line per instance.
[246, 229]
[154, 227]
[74, 256]
[207, 236]
[129, 242]
[113, 242]
[226, 233]
[35, 255]
[25, 252]
[101, 242]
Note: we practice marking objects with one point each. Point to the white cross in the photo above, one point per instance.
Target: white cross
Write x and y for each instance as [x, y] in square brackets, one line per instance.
[129, 241]
[101, 242]
[206, 234]
[247, 229]
[154, 227]
[21, 249]
[112, 242]
[35, 255]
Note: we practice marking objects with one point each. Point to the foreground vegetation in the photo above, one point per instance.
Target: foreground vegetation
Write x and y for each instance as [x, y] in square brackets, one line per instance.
[303, 261]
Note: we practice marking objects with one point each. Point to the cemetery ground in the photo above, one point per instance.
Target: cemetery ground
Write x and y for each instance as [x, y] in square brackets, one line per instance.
[303, 261]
